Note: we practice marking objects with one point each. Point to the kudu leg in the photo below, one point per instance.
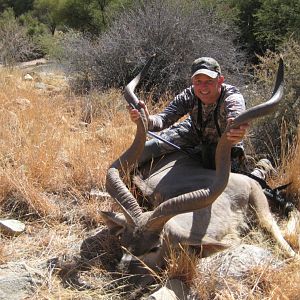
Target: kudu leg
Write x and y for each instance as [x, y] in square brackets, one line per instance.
[261, 206]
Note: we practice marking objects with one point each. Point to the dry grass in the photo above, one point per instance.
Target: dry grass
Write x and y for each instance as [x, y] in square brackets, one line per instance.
[291, 163]
[46, 148]
[264, 283]
[51, 161]
[182, 265]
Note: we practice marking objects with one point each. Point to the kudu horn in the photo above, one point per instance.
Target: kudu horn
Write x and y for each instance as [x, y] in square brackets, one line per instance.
[114, 184]
[202, 198]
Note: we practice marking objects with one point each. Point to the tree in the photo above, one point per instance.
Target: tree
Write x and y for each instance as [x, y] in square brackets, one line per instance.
[264, 24]
[91, 16]
[275, 21]
[19, 6]
[49, 12]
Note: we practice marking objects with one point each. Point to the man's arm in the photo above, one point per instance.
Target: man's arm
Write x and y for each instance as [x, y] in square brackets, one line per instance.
[234, 105]
[179, 107]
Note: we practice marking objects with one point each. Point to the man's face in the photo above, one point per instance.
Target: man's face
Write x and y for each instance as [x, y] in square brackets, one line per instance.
[207, 89]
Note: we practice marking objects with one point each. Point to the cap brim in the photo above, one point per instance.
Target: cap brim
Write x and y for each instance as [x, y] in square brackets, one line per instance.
[209, 73]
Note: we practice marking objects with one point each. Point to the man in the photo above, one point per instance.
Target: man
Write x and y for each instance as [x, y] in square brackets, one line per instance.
[210, 105]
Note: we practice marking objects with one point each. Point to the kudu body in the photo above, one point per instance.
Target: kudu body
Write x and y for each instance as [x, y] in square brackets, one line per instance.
[194, 206]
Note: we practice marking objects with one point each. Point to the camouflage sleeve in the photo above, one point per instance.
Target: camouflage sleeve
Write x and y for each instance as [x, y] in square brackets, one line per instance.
[234, 105]
[180, 106]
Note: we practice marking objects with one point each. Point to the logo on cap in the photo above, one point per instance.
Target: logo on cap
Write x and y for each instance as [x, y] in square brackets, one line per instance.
[207, 66]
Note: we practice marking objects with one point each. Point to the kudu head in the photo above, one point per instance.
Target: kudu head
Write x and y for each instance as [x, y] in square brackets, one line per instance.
[144, 234]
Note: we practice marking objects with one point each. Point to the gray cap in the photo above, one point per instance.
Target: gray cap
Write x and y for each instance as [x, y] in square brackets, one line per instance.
[207, 66]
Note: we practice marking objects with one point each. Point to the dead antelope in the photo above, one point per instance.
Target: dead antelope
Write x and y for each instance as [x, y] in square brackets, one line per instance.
[196, 206]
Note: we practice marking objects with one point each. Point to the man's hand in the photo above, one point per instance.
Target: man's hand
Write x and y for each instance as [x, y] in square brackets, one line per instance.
[135, 114]
[236, 135]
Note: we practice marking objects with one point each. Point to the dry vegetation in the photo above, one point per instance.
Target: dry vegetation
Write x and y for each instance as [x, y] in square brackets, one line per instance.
[52, 167]
[52, 170]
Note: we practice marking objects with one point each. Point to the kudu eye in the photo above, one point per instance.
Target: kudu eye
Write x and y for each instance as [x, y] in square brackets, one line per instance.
[154, 249]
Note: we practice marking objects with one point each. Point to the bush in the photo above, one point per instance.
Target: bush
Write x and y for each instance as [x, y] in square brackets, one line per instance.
[78, 53]
[177, 31]
[34, 27]
[15, 45]
[50, 45]
[274, 134]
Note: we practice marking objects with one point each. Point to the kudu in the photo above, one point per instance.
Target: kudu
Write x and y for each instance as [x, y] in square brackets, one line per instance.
[196, 206]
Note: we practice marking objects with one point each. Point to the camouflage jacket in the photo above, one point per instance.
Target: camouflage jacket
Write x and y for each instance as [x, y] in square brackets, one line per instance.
[206, 121]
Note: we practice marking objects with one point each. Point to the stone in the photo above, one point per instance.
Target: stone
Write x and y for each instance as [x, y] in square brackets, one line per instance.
[18, 281]
[28, 77]
[238, 261]
[11, 227]
[174, 289]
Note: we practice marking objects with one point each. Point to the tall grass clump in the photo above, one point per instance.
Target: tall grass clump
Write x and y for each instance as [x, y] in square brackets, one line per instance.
[46, 149]
[176, 31]
[289, 171]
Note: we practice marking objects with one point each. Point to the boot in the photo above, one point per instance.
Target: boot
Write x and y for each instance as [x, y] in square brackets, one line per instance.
[263, 169]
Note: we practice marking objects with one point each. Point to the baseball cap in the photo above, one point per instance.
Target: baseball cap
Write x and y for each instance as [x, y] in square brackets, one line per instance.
[207, 66]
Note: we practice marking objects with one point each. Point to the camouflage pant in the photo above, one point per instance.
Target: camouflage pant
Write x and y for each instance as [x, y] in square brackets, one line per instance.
[184, 137]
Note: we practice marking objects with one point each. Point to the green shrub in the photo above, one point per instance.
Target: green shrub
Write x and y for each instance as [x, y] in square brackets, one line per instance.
[275, 21]
[51, 45]
[34, 27]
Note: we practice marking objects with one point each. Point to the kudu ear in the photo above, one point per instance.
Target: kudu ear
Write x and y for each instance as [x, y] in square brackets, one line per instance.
[211, 246]
[116, 222]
